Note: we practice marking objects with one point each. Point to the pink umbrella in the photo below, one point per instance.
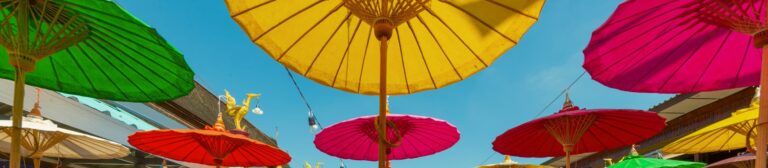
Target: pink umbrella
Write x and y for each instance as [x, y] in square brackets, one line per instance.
[412, 137]
[678, 46]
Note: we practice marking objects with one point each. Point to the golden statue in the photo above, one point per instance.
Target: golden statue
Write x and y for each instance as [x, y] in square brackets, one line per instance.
[307, 165]
[238, 112]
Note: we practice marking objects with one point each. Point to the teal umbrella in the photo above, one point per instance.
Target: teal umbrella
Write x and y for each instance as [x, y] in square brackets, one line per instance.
[86, 47]
[634, 160]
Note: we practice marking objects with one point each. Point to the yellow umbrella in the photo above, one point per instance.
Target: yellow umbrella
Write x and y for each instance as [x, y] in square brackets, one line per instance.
[508, 163]
[727, 134]
[422, 44]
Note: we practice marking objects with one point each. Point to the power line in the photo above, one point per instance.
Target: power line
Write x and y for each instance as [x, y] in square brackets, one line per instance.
[312, 116]
[560, 95]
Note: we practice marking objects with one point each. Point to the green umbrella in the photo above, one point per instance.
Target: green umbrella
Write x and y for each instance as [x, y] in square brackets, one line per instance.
[98, 50]
[634, 160]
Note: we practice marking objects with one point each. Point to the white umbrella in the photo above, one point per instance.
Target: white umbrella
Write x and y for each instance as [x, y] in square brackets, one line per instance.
[41, 137]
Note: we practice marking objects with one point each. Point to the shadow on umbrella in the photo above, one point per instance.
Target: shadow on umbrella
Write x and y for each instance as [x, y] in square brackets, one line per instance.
[488, 24]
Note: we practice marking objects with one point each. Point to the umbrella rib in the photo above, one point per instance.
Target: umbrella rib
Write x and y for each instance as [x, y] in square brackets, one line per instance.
[286, 19]
[70, 5]
[402, 59]
[729, 139]
[121, 38]
[510, 8]
[150, 59]
[365, 54]
[109, 77]
[686, 61]
[55, 73]
[418, 45]
[664, 31]
[479, 20]
[743, 59]
[709, 64]
[113, 65]
[592, 134]
[441, 47]
[307, 32]
[80, 67]
[665, 58]
[251, 8]
[346, 51]
[162, 90]
[455, 34]
[608, 133]
[319, 53]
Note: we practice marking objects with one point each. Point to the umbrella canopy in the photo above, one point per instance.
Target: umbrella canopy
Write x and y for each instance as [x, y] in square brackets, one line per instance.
[635, 161]
[674, 46]
[574, 131]
[726, 134]
[432, 43]
[416, 136]
[41, 138]
[508, 163]
[666, 46]
[212, 146]
[99, 50]
[746, 160]
[104, 52]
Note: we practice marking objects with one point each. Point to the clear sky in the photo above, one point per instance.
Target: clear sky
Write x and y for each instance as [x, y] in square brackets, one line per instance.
[510, 92]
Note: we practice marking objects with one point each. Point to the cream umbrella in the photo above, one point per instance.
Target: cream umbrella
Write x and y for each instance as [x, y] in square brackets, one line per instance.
[41, 137]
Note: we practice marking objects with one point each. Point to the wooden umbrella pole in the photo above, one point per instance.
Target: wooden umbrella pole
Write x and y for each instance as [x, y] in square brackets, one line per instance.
[762, 130]
[18, 104]
[567, 149]
[383, 102]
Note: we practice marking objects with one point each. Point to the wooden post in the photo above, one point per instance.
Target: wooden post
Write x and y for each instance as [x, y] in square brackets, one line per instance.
[762, 129]
[18, 108]
[383, 102]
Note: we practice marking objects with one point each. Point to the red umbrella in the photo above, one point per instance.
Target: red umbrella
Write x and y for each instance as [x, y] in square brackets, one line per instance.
[211, 146]
[411, 137]
[574, 131]
[678, 46]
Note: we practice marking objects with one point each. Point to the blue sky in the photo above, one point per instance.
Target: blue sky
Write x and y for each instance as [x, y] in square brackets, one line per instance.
[510, 92]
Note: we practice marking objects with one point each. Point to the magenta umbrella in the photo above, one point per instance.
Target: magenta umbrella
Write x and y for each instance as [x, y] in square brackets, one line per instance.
[680, 46]
[412, 137]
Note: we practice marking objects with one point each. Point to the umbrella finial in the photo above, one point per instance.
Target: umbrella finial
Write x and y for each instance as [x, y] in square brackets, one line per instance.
[36, 109]
[507, 159]
[568, 104]
[218, 125]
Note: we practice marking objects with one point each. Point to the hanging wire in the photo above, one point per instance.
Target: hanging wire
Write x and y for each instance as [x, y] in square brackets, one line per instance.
[313, 122]
[560, 95]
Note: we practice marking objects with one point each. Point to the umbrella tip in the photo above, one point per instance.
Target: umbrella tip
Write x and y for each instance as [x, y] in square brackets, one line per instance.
[507, 159]
[36, 108]
[568, 104]
[219, 125]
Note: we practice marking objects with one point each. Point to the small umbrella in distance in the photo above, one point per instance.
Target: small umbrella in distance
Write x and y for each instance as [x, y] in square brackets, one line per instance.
[574, 131]
[635, 160]
[508, 163]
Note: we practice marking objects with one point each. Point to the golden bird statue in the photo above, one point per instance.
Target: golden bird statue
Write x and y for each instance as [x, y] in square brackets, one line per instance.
[238, 112]
[307, 165]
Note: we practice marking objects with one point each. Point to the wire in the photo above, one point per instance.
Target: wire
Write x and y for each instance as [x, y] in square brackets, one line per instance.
[297, 88]
[488, 158]
[560, 95]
